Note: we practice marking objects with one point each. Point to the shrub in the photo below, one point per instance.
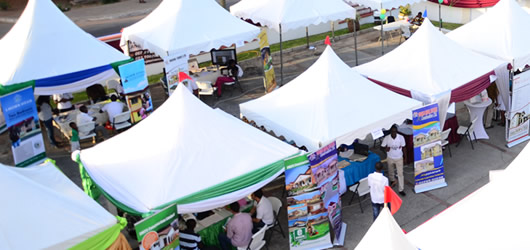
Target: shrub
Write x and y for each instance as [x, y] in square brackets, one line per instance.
[4, 5]
[109, 1]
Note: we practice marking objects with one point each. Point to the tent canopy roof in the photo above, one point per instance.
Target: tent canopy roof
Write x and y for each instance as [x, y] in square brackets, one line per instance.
[485, 218]
[292, 14]
[386, 4]
[498, 34]
[183, 148]
[429, 63]
[188, 26]
[42, 203]
[328, 101]
[46, 43]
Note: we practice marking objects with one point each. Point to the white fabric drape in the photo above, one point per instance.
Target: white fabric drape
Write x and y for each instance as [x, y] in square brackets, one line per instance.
[503, 84]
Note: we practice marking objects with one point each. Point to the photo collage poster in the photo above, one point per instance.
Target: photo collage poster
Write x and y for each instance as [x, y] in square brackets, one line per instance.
[22, 121]
[269, 80]
[136, 89]
[325, 169]
[159, 231]
[520, 110]
[306, 212]
[428, 153]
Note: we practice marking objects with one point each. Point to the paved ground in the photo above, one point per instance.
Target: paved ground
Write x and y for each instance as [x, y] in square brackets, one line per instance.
[466, 171]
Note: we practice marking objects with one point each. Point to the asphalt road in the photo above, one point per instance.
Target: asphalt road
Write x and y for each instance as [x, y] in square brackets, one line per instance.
[101, 28]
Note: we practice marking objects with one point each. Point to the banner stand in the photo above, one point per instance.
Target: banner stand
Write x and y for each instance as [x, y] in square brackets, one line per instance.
[339, 241]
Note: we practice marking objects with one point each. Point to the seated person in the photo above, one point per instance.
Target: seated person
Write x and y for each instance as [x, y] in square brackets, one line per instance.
[264, 214]
[418, 19]
[189, 240]
[344, 152]
[63, 102]
[238, 229]
[234, 73]
[96, 93]
[113, 108]
[189, 82]
[83, 117]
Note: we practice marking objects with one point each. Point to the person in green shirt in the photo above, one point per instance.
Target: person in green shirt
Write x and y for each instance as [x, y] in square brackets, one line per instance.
[74, 140]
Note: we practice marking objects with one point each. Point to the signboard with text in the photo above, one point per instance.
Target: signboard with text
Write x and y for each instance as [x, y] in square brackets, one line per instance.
[428, 157]
[520, 110]
[159, 231]
[174, 65]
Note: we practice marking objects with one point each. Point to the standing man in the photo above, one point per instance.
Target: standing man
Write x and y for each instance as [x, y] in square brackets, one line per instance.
[238, 229]
[394, 145]
[263, 211]
[377, 183]
[63, 102]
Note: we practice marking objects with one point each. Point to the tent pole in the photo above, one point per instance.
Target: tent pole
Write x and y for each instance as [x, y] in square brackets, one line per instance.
[382, 37]
[307, 36]
[281, 57]
[333, 30]
[440, 14]
[355, 40]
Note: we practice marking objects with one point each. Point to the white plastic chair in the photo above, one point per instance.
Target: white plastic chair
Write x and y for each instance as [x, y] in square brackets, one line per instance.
[445, 142]
[360, 188]
[257, 241]
[86, 131]
[276, 206]
[466, 132]
[405, 32]
[121, 120]
[205, 88]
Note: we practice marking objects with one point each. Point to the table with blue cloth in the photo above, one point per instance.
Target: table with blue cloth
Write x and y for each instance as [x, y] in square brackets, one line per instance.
[358, 170]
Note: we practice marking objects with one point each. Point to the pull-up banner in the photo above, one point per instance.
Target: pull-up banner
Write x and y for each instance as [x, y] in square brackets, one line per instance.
[520, 110]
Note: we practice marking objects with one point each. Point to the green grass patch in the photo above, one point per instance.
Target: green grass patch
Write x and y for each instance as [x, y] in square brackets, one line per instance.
[449, 26]
[152, 79]
[367, 26]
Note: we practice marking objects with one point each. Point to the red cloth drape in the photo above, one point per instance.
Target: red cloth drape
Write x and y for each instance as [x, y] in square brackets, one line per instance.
[468, 3]
[459, 94]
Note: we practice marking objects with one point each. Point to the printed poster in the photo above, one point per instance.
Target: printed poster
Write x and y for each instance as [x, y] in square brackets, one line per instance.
[269, 80]
[159, 231]
[307, 215]
[140, 104]
[133, 76]
[520, 110]
[428, 156]
[21, 118]
[175, 64]
[138, 53]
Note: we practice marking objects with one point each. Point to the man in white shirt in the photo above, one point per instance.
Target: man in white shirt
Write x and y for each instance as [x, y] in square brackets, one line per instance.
[394, 145]
[63, 101]
[83, 117]
[377, 183]
[113, 108]
[263, 210]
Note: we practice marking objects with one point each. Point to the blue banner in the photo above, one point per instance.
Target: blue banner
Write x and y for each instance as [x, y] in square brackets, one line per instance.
[22, 121]
[133, 76]
[428, 156]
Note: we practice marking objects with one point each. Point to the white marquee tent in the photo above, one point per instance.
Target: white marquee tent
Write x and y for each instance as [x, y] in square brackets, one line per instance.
[185, 153]
[328, 101]
[428, 64]
[46, 46]
[384, 4]
[498, 33]
[493, 217]
[43, 209]
[282, 15]
[188, 26]
[386, 234]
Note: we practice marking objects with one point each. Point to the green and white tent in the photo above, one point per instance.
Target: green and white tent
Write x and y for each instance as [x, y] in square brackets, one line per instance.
[184, 153]
[43, 209]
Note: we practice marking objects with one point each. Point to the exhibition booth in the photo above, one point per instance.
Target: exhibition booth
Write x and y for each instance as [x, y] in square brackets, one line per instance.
[42, 203]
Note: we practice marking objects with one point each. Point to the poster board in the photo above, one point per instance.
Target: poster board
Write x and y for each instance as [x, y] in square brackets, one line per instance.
[269, 80]
[22, 122]
[137, 52]
[520, 110]
[159, 231]
[175, 64]
[136, 89]
[428, 153]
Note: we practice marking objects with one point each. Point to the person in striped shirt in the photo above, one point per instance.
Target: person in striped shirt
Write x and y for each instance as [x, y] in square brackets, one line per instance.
[189, 240]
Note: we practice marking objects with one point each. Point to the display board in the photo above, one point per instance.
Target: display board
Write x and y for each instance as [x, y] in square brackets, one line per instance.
[428, 153]
[313, 199]
[159, 231]
[138, 53]
[269, 79]
[175, 64]
[520, 110]
[22, 122]
[136, 89]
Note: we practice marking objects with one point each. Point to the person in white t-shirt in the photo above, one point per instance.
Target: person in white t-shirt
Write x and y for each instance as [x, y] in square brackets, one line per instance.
[113, 108]
[394, 145]
[263, 211]
[377, 183]
[83, 117]
[63, 102]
